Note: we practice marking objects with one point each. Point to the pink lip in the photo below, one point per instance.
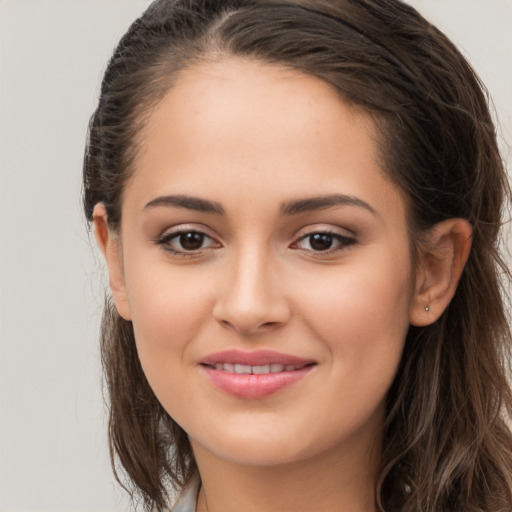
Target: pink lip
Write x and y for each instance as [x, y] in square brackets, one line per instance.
[255, 358]
[253, 386]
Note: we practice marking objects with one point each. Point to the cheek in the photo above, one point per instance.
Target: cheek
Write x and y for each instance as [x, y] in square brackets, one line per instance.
[362, 315]
[167, 312]
[362, 320]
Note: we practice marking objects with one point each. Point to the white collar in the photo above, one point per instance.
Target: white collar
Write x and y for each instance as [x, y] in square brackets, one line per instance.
[188, 499]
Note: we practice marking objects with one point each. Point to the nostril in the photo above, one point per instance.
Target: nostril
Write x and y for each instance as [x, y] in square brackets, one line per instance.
[269, 324]
[249, 328]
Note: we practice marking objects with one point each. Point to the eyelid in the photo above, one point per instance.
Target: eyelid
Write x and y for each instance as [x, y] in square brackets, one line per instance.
[186, 228]
[324, 228]
[345, 239]
[173, 232]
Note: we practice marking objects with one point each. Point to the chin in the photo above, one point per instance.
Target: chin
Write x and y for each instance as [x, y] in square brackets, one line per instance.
[263, 445]
[260, 453]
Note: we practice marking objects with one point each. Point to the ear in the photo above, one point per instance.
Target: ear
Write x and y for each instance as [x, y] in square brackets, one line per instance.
[440, 266]
[108, 243]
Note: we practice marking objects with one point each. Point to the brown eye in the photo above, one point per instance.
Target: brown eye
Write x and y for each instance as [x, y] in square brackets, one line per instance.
[320, 241]
[324, 242]
[191, 241]
[186, 242]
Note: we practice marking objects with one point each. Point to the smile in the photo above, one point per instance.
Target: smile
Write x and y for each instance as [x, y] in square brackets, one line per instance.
[244, 369]
[254, 375]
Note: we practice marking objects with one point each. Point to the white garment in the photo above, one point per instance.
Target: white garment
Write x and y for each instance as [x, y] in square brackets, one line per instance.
[188, 500]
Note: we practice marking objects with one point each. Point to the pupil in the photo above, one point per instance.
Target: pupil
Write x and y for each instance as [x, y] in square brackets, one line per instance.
[191, 241]
[320, 241]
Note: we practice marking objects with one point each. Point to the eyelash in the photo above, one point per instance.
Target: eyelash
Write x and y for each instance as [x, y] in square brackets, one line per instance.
[343, 242]
[166, 240]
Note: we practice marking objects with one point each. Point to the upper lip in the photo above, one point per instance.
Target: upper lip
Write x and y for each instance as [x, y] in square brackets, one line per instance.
[254, 358]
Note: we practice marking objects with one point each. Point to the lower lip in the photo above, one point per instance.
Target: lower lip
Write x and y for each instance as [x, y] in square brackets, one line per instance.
[251, 386]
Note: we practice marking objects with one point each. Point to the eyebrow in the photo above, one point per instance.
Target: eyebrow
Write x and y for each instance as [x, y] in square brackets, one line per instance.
[319, 203]
[187, 202]
[294, 207]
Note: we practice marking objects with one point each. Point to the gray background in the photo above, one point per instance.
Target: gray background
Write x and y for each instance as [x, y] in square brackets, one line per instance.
[53, 454]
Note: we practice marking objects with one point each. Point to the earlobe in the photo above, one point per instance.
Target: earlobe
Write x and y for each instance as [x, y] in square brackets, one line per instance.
[108, 244]
[440, 267]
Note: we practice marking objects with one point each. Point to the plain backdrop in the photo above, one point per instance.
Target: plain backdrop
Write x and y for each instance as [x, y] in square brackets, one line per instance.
[53, 452]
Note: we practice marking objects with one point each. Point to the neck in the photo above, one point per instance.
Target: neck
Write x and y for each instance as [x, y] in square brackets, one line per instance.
[342, 479]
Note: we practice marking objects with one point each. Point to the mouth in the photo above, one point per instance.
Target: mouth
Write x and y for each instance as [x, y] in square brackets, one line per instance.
[254, 375]
[245, 369]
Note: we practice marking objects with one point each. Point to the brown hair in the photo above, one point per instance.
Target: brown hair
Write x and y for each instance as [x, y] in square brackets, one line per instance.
[447, 444]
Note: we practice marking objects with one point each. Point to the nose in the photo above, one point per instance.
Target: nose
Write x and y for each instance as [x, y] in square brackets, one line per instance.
[251, 299]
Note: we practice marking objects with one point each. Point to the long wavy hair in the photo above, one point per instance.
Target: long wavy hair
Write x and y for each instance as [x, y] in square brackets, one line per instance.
[447, 442]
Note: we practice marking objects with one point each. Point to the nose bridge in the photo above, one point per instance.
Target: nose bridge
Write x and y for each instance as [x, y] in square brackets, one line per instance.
[252, 298]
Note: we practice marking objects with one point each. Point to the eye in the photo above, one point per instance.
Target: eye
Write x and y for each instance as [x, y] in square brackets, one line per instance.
[186, 242]
[324, 241]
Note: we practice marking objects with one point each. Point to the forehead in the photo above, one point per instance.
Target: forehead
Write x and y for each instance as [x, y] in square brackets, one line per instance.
[242, 129]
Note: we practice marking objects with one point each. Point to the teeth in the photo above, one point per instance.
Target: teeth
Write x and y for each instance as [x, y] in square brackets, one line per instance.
[259, 370]
[242, 368]
[245, 369]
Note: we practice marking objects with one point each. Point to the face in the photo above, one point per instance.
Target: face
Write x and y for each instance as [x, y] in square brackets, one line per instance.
[265, 264]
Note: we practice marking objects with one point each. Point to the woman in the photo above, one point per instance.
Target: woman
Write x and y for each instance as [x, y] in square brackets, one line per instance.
[299, 204]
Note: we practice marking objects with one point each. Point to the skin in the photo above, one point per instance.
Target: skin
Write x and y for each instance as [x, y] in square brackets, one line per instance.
[251, 137]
